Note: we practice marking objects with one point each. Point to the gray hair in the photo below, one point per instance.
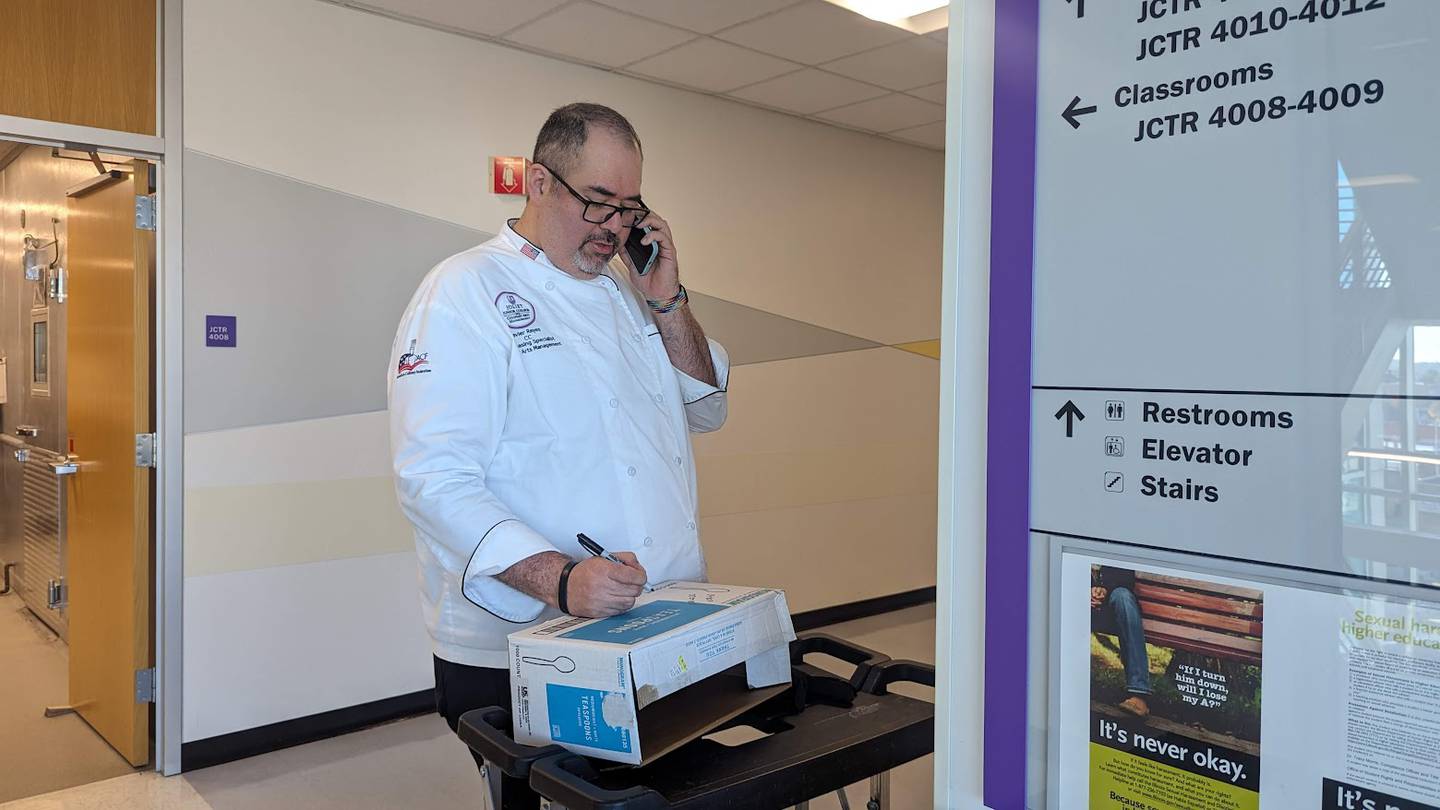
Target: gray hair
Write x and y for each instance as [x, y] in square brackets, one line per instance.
[564, 133]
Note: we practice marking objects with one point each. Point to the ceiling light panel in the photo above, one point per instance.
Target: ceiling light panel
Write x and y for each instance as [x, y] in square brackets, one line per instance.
[915, 16]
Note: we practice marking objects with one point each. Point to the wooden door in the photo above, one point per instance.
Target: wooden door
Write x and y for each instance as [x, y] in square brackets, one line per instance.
[87, 62]
[109, 339]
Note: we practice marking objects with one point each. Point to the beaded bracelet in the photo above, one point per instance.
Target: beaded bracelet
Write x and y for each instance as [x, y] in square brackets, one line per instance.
[664, 307]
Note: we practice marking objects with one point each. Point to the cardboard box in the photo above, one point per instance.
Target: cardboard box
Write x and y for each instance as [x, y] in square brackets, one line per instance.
[599, 687]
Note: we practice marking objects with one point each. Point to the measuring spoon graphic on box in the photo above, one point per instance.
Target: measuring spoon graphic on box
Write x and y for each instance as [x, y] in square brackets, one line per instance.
[564, 664]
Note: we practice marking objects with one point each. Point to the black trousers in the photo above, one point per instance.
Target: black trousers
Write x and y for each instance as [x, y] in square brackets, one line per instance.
[460, 688]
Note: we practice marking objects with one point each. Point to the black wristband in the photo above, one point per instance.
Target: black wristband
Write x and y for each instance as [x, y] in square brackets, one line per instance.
[564, 592]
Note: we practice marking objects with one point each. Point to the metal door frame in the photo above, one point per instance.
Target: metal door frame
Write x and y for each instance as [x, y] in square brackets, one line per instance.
[166, 152]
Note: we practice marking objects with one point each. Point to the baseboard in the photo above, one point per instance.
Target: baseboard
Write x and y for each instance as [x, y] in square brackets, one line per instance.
[850, 611]
[287, 733]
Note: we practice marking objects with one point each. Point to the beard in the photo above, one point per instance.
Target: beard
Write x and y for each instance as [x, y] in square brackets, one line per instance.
[590, 265]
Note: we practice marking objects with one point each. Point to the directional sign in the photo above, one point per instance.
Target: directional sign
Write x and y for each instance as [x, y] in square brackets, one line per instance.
[1074, 111]
[1069, 413]
[1236, 239]
[1231, 230]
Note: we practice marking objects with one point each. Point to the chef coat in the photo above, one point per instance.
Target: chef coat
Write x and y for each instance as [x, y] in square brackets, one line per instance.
[527, 406]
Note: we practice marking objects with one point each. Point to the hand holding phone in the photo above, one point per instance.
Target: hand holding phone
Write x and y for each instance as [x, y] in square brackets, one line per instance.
[643, 256]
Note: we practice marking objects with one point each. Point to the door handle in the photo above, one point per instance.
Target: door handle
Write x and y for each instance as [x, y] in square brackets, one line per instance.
[69, 466]
[27, 430]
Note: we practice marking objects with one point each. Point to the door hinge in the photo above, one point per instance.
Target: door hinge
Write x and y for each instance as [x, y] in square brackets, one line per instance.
[145, 450]
[145, 212]
[145, 685]
[56, 594]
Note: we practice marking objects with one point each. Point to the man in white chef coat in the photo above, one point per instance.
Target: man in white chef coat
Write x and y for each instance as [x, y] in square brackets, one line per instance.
[540, 389]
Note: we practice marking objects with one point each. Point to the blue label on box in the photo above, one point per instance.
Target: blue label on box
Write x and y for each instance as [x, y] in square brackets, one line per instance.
[577, 717]
[220, 331]
[646, 621]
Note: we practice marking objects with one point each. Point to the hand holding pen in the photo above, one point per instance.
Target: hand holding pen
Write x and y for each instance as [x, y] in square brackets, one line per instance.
[596, 550]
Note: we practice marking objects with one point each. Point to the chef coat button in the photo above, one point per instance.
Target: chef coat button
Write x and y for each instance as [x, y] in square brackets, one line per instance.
[649, 541]
[549, 285]
[678, 462]
[614, 403]
[631, 472]
[584, 338]
[659, 398]
[690, 525]
[635, 337]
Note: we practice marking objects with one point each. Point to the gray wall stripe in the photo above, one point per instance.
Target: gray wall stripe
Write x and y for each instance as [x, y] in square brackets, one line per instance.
[318, 281]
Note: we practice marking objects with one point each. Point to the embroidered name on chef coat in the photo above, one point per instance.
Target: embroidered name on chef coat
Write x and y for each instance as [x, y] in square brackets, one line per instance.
[519, 315]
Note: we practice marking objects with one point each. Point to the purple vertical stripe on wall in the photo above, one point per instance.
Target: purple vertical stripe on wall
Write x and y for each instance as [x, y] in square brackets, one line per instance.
[1007, 497]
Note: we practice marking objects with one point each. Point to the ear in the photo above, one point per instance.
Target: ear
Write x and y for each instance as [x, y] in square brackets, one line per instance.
[537, 181]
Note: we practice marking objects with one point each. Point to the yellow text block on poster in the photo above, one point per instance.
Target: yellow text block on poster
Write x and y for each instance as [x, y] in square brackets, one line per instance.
[1121, 781]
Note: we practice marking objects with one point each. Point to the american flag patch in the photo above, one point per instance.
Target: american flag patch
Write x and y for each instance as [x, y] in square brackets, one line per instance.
[529, 250]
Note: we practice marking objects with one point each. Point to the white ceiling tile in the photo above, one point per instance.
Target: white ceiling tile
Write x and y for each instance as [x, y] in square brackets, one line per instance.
[887, 113]
[931, 135]
[709, 64]
[807, 91]
[488, 17]
[930, 92]
[813, 32]
[701, 16]
[597, 34]
[906, 64]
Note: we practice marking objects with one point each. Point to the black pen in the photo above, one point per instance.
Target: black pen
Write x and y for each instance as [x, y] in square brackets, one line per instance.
[597, 550]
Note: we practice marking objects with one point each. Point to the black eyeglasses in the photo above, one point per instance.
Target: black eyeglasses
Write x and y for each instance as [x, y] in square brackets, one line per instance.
[598, 213]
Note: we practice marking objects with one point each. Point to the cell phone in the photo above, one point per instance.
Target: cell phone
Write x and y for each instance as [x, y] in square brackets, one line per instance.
[641, 255]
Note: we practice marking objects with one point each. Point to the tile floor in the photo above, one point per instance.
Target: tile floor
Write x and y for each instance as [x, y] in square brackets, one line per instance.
[40, 754]
[417, 763]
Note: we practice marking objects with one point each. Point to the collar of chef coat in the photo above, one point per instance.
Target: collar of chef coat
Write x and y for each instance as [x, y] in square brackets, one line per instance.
[533, 252]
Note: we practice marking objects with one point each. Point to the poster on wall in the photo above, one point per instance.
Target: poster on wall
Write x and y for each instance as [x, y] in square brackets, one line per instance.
[1175, 669]
[1179, 690]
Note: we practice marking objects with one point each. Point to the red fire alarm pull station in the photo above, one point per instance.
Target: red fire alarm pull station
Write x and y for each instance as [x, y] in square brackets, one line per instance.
[507, 175]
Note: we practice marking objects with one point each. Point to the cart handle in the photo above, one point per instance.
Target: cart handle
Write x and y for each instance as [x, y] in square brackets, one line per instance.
[558, 779]
[864, 658]
[898, 672]
[487, 732]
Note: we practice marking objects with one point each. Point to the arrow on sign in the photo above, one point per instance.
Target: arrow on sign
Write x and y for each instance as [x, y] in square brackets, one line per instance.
[1074, 111]
[1069, 413]
[1079, 7]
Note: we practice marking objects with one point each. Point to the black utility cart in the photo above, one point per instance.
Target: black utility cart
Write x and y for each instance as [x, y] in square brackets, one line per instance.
[825, 732]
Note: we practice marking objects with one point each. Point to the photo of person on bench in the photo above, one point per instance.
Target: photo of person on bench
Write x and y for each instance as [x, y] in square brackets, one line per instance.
[1176, 655]
[1117, 612]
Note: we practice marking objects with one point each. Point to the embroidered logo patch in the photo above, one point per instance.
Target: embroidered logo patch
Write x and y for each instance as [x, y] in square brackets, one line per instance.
[517, 312]
[412, 363]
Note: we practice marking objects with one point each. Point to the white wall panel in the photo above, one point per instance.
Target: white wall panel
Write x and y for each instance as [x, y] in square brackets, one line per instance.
[280, 643]
[330, 449]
